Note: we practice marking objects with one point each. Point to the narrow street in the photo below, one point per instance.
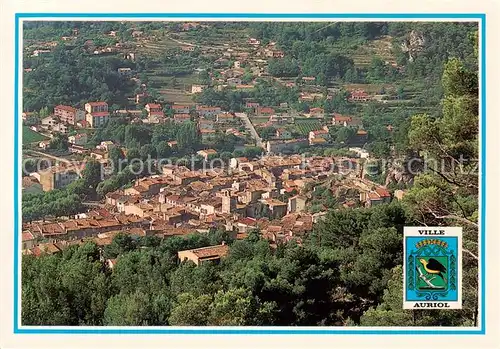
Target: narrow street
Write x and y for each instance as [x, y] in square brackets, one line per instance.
[249, 126]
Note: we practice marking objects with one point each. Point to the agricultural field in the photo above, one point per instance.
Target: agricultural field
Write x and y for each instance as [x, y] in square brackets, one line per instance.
[305, 126]
[30, 136]
[258, 121]
[176, 96]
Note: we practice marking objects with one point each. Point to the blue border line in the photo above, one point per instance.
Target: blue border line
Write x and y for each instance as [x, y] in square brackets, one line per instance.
[483, 173]
[16, 176]
[259, 15]
[270, 16]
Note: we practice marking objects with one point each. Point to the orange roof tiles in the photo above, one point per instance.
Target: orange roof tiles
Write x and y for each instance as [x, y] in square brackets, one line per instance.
[211, 251]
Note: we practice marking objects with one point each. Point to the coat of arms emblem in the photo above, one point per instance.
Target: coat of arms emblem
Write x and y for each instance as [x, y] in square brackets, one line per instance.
[432, 267]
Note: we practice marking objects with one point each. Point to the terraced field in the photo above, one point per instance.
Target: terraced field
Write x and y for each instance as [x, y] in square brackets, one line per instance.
[158, 47]
[382, 48]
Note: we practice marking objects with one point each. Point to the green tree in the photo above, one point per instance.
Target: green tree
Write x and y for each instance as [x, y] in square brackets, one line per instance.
[190, 310]
[128, 310]
[116, 155]
[234, 307]
[163, 150]
[92, 174]
[121, 243]
[188, 137]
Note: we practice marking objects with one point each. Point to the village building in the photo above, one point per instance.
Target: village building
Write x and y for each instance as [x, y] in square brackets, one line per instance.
[317, 112]
[359, 96]
[56, 177]
[296, 203]
[319, 137]
[68, 114]
[78, 139]
[97, 113]
[341, 120]
[206, 111]
[180, 109]
[197, 88]
[264, 111]
[204, 254]
[155, 113]
[180, 118]
[207, 153]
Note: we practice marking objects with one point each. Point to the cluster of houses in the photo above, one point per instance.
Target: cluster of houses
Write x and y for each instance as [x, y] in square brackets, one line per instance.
[269, 194]
[95, 114]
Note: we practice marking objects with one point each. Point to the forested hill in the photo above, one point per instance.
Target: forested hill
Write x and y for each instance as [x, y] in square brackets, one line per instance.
[419, 46]
[409, 55]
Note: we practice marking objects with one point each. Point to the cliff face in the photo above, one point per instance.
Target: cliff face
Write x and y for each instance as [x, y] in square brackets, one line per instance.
[400, 171]
[413, 44]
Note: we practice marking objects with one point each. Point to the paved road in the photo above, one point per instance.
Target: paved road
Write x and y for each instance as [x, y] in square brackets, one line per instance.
[49, 156]
[249, 126]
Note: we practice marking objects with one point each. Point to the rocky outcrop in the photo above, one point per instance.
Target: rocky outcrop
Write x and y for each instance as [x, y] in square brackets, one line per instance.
[399, 172]
[413, 44]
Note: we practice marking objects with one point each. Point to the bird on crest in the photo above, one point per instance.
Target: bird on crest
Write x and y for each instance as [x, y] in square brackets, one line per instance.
[434, 267]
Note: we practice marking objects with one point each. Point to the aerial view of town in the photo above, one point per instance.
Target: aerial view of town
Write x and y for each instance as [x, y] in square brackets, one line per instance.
[242, 173]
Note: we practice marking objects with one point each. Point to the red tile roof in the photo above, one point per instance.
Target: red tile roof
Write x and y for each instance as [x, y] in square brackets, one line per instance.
[95, 104]
[247, 221]
[65, 108]
[316, 110]
[157, 113]
[341, 118]
[384, 193]
[319, 132]
[28, 236]
[101, 114]
[266, 110]
[211, 251]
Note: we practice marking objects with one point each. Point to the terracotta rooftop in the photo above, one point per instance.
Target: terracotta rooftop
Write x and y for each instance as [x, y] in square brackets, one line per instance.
[27, 236]
[211, 251]
[65, 108]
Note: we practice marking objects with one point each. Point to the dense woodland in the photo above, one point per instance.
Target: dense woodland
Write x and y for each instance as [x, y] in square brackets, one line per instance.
[347, 271]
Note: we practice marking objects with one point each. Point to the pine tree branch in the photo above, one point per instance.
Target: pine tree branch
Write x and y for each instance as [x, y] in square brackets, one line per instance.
[455, 217]
[470, 253]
